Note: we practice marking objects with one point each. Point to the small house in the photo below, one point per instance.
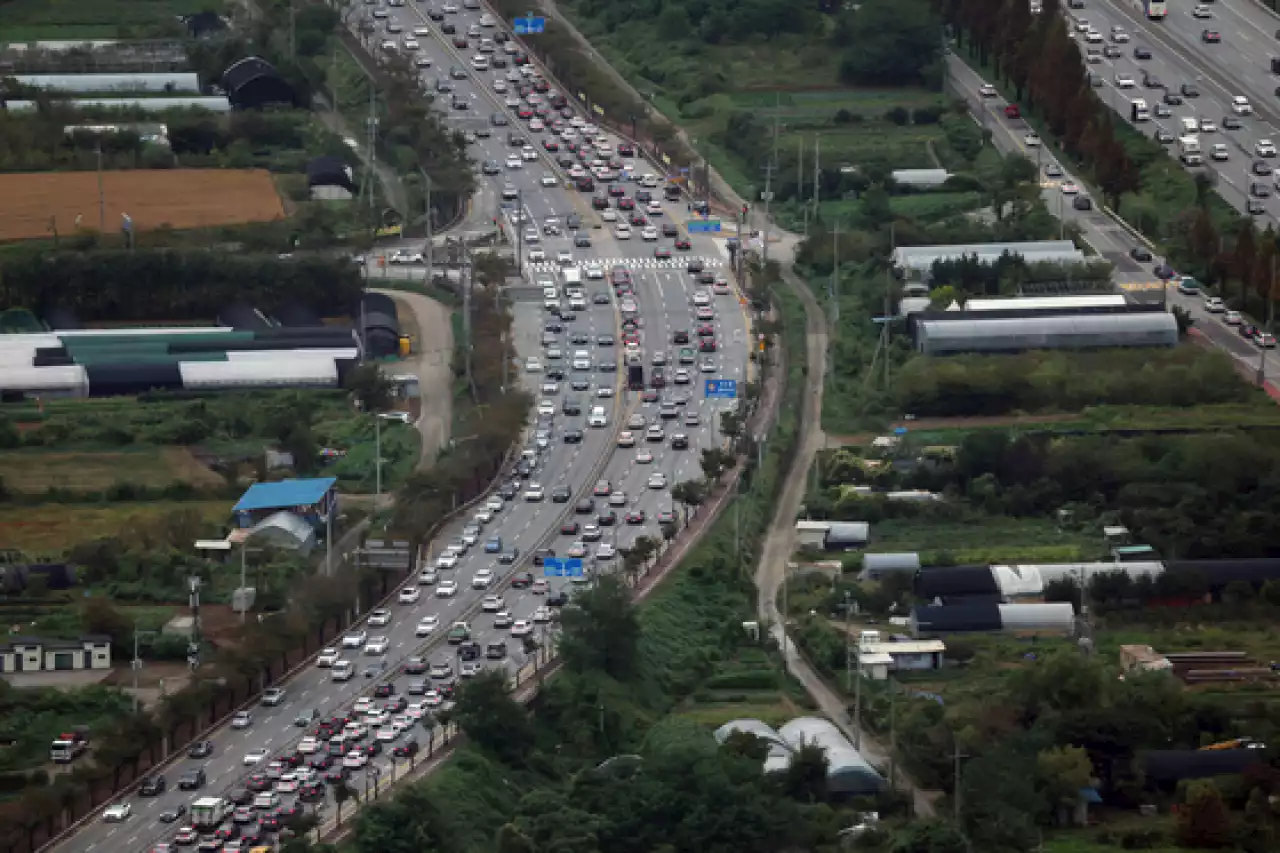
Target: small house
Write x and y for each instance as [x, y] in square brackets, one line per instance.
[37, 654]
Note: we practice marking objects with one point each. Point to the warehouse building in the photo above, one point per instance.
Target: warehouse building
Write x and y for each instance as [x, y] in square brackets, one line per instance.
[311, 500]
[940, 333]
[1009, 583]
[330, 178]
[915, 263]
[877, 566]
[832, 535]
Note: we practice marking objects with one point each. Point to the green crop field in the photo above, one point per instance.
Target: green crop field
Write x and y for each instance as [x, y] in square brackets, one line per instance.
[29, 20]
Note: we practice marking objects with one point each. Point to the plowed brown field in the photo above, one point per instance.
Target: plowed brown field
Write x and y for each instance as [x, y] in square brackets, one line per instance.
[33, 204]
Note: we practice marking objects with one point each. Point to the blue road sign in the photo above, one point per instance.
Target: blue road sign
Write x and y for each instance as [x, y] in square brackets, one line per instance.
[722, 389]
[529, 26]
[555, 567]
[702, 226]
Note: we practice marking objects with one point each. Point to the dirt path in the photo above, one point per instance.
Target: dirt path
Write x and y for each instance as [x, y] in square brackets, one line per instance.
[431, 363]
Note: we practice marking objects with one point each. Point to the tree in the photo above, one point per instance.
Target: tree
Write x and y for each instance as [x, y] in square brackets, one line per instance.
[1065, 771]
[689, 493]
[370, 388]
[806, 776]
[715, 462]
[601, 630]
[492, 719]
[1203, 821]
[930, 836]
[894, 42]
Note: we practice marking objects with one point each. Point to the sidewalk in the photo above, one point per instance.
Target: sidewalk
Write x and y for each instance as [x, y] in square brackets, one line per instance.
[431, 362]
[391, 183]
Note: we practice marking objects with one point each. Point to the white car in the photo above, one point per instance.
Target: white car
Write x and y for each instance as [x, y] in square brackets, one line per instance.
[377, 646]
[483, 580]
[649, 234]
[409, 595]
[1240, 106]
[521, 628]
[618, 498]
[549, 180]
[447, 589]
[1265, 148]
[447, 560]
[609, 215]
[495, 504]
[1208, 126]
[546, 407]
[117, 813]
[537, 254]
[604, 391]
[1202, 11]
[533, 365]
[626, 438]
[354, 640]
[701, 299]
[328, 657]
[411, 44]
[513, 162]
[527, 153]
[1124, 81]
[1219, 152]
[622, 232]
[309, 745]
[534, 493]
[644, 457]
[1069, 188]
[658, 480]
[426, 625]
[987, 90]
[355, 760]
[255, 757]
[491, 604]
[380, 618]
[287, 783]
[564, 259]
[542, 615]
[386, 734]
[595, 272]
[606, 552]
[1032, 140]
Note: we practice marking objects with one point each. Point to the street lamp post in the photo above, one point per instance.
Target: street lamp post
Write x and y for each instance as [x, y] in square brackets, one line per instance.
[136, 663]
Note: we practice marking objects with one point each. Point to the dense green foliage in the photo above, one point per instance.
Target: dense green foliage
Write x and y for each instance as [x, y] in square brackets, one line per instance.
[161, 286]
[31, 717]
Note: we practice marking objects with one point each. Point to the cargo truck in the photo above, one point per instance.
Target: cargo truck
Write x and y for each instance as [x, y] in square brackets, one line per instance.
[207, 813]
[1139, 111]
[635, 376]
[1154, 10]
[69, 746]
[1189, 151]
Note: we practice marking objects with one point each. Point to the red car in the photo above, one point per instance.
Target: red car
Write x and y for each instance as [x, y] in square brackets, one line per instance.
[569, 528]
[639, 220]
[662, 252]
[460, 43]
[636, 517]
[551, 145]
[707, 345]
[1211, 36]
[683, 245]
[624, 203]
[706, 330]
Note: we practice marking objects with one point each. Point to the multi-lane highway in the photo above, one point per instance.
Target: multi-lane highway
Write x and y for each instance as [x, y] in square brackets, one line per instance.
[664, 293]
[1178, 58]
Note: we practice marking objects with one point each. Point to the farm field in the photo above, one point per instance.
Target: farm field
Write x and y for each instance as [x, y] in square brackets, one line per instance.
[993, 540]
[28, 20]
[36, 471]
[33, 204]
[50, 529]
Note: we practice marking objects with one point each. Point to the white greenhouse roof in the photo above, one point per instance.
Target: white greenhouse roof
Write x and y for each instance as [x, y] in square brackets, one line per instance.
[1036, 303]
[286, 530]
[212, 103]
[282, 372]
[1052, 616]
[70, 377]
[847, 770]
[275, 354]
[922, 258]
[179, 81]
[944, 334]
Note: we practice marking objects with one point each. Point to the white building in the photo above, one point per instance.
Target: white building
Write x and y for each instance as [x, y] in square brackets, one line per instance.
[916, 262]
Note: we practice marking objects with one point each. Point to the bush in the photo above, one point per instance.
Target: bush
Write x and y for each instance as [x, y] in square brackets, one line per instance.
[756, 679]
[926, 115]
[844, 116]
[898, 115]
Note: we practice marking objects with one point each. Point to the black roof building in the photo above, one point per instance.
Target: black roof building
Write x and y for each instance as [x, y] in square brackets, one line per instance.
[328, 171]
[983, 616]
[1167, 767]
[1219, 573]
[243, 318]
[253, 83]
[203, 24]
[956, 582]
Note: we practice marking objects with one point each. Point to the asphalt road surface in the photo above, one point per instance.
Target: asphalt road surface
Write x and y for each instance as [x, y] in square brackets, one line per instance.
[664, 293]
[1239, 65]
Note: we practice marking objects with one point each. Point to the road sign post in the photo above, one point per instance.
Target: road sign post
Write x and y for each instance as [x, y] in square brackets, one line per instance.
[556, 567]
[721, 389]
[702, 226]
[529, 25]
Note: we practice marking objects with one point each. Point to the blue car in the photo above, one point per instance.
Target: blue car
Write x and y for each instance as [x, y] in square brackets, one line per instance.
[493, 546]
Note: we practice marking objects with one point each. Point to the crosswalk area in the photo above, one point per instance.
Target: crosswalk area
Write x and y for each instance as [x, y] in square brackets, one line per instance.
[676, 262]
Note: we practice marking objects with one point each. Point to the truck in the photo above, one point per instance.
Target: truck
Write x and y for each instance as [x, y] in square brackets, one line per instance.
[1154, 10]
[69, 746]
[207, 813]
[635, 376]
[1139, 111]
[1189, 150]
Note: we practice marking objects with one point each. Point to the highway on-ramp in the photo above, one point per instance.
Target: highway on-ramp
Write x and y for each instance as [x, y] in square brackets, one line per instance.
[664, 292]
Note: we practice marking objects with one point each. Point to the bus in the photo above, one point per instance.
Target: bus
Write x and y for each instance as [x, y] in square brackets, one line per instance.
[1155, 10]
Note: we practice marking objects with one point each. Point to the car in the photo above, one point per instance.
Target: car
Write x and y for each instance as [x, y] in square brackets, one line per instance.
[657, 480]
[254, 757]
[379, 618]
[377, 645]
[152, 786]
[1124, 81]
[441, 669]
[542, 615]
[327, 658]
[409, 595]
[1264, 148]
[1214, 305]
[447, 589]
[1032, 140]
[117, 813]
[242, 720]
[626, 438]
[354, 639]
[1069, 188]
[1140, 52]
[533, 492]
[483, 579]
[1210, 36]
[1232, 318]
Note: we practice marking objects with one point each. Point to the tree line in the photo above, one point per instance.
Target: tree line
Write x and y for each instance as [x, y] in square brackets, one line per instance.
[173, 285]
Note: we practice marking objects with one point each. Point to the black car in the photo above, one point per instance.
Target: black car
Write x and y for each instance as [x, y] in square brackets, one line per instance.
[506, 558]
[192, 780]
[1140, 254]
[152, 786]
[607, 519]
[573, 436]
[540, 555]
[408, 749]
[508, 491]
[241, 796]
[1189, 90]
[1231, 123]
[573, 221]
[1261, 168]
[586, 506]
[679, 441]
[1141, 52]
[561, 494]
[496, 650]
[582, 241]
[469, 650]
[200, 749]
[174, 814]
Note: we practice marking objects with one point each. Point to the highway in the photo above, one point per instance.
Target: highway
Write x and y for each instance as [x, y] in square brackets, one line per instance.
[1178, 58]
[664, 292]
[1099, 230]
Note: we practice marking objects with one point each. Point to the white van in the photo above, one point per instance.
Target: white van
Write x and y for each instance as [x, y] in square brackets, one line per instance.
[572, 276]
[1190, 125]
[487, 20]
[597, 418]
[342, 671]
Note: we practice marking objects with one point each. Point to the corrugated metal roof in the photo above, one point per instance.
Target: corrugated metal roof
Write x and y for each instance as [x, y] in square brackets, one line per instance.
[944, 582]
[930, 619]
[848, 531]
[1049, 616]
[211, 103]
[904, 562]
[27, 379]
[922, 258]
[266, 373]
[286, 529]
[284, 494]
[177, 81]
[939, 336]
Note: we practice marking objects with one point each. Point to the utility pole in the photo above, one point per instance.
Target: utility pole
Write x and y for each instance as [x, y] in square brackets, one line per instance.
[833, 292]
[888, 289]
[857, 696]
[244, 593]
[848, 642]
[817, 174]
[893, 730]
[955, 785]
[193, 646]
[102, 196]
[519, 236]
[800, 186]
[1262, 354]
[377, 460]
[428, 253]
[768, 177]
[466, 273]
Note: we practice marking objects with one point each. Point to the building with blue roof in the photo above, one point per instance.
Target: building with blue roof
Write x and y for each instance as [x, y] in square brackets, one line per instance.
[311, 499]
